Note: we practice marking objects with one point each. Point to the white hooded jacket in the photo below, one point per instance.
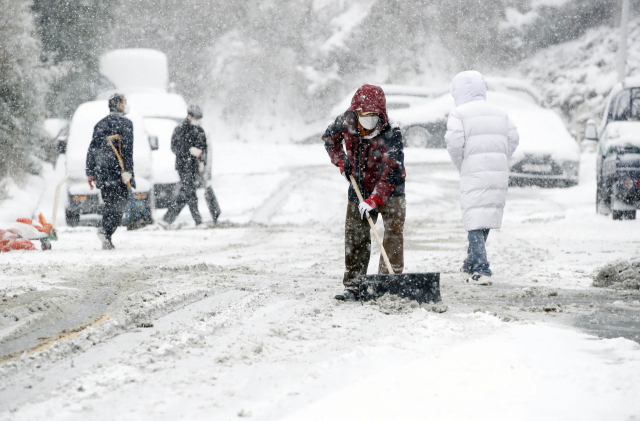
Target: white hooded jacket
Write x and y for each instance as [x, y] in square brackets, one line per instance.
[480, 139]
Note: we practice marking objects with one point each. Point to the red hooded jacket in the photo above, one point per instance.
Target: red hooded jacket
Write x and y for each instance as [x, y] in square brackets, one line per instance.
[377, 160]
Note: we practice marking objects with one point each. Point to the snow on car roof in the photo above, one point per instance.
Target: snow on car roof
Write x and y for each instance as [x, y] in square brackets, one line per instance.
[391, 91]
[514, 86]
[422, 91]
[158, 105]
[541, 130]
[632, 82]
[81, 132]
[53, 126]
[136, 69]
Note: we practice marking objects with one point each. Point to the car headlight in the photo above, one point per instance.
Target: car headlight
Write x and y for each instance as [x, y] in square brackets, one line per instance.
[571, 168]
[628, 183]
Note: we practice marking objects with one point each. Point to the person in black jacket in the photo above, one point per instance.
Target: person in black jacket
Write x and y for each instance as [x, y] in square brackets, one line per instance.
[103, 169]
[189, 143]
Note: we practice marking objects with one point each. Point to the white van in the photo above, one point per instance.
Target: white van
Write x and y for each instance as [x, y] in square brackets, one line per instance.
[83, 202]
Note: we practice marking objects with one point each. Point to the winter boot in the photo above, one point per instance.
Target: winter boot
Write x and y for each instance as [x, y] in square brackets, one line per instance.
[106, 242]
[465, 275]
[347, 295]
[474, 277]
[480, 279]
[164, 224]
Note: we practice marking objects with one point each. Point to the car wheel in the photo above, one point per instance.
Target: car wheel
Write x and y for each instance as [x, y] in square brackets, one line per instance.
[603, 198]
[417, 137]
[620, 215]
[73, 219]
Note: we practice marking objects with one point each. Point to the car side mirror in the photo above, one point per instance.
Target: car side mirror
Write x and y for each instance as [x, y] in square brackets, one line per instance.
[153, 142]
[591, 131]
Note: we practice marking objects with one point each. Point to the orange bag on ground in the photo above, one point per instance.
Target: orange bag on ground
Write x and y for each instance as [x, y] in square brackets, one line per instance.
[46, 227]
[9, 241]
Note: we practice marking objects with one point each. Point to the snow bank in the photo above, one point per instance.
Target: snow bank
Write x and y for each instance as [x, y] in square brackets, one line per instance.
[22, 199]
[621, 274]
[523, 372]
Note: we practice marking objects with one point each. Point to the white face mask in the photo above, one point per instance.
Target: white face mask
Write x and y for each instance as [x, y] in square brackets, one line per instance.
[368, 122]
[195, 122]
[126, 109]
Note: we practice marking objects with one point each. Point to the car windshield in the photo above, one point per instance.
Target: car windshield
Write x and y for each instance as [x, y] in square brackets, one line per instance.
[626, 106]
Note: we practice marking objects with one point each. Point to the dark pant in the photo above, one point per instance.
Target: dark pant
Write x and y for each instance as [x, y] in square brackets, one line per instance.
[115, 199]
[187, 196]
[357, 233]
[476, 260]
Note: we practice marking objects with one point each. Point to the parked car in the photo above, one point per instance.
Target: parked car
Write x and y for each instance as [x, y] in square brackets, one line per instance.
[425, 127]
[618, 153]
[57, 129]
[161, 113]
[547, 155]
[82, 200]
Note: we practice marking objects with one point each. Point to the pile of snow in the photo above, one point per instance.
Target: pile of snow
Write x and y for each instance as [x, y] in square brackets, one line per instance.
[21, 198]
[620, 274]
[392, 304]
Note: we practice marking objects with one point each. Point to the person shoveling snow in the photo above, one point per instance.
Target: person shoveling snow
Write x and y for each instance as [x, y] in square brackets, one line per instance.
[480, 139]
[375, 158]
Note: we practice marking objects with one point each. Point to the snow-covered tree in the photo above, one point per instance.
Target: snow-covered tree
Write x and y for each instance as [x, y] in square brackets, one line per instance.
[74, 34]
[22, 90]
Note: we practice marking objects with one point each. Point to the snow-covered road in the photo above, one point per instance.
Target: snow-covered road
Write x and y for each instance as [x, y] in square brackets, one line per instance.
[240, 321]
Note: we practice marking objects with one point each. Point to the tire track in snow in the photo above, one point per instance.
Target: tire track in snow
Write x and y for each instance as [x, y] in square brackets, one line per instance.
[272, 205]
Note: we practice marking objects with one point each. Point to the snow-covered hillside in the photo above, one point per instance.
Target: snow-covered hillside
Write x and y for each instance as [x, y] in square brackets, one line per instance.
[576, 76]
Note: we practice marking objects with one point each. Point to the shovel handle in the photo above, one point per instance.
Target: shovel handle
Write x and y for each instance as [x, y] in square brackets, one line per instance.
[54, 216]
[373, 227]
[120, 161]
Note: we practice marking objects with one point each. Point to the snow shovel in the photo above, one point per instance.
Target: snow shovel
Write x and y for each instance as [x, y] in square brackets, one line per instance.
[136, 214]
[212, 202]
[420, 287]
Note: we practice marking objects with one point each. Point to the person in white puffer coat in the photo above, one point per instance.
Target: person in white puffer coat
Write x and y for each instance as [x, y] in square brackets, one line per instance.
[480, 139]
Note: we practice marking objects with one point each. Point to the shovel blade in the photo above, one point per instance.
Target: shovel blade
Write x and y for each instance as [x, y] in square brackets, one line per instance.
[420, 287]
[136, 215]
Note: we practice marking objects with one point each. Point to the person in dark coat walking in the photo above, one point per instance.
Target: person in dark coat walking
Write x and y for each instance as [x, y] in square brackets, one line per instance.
[189, 143]
[103, 169]
[375, 157]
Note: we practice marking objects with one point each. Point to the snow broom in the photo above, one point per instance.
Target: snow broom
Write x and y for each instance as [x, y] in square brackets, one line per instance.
[212, 202]
[136, 214]
[420, 287]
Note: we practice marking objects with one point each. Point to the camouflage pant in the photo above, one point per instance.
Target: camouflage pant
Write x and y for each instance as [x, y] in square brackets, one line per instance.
[357, 240]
